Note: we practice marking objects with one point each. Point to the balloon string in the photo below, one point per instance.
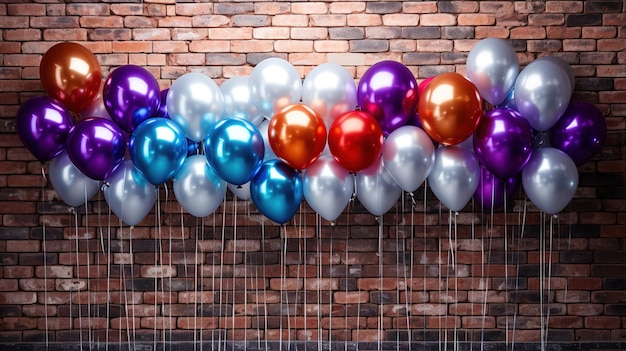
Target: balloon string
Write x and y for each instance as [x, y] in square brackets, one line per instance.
[380, 281]
[45, 259]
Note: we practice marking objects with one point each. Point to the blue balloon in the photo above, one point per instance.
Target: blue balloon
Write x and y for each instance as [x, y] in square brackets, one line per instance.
[235, 150]
[276, 191]
[158, 147]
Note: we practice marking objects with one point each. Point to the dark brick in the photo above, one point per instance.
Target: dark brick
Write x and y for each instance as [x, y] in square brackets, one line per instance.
[37, 259]
[8, 259]
[426, 335]
[37, 233]
[489, 335]
[457, 33]
[11, 233]
[615, 309]
[383, 7]
[384, 297]
[603, 7]
[583, 20]
[421, 58]
[178, 284]
[397, 335]
[141, 284]
[256, 258]
[528, 270]
[450, 58]
[250, 21]
[610, 270]
[594, 84]
[528, 296]
[421, 32]
[501, 309]
[10, 311]
[575, 257]
[614, 284]
[561, 335]
[180, 335]
[254, 59]
[609, 256]
[613, 192]
[233, 8]
[346, 33]
[220, 310]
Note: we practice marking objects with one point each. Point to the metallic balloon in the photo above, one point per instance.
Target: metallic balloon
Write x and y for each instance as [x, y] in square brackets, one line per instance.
[198, 189]
[454, 177]
[388, 91]
[195, 102]
[450, 108]
[129, 195]
[376, 190]
[234, 149]
[297, 135]
[238, 102]
[274, 84]
[542, 93]
[580, 132]
[408, 155]
[241, 191]
[131, 95]
[503, 142]
[330, 90]
[493, 192]
[42, 123]
[355, 140]
[96, 147]
[158, 147]
[550, 179]
[492, 66]
[564, 65]
[74, 187]
[328, 187]
[263, 129]
[70, 73]
[276, 191]
[96, 107]
[162, 111]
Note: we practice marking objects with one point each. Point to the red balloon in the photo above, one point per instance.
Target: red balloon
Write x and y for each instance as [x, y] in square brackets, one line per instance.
[422, 86]
[450, 108]
[297, 135]
[70, 73]
[355, 140]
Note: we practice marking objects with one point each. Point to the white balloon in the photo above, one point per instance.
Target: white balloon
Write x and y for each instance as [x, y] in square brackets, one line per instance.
[74, 187]
[129, 194]
[454, 177]
[327, 187]
[197, 187]
[274, 84]
[238, 102]
[408, 155]
[376, 190]
[493, 66]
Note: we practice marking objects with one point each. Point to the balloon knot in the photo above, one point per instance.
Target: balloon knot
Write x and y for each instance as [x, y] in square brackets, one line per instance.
[456, 213]
[71, 209]
[555, 216]
[332, 223]
[239, 186]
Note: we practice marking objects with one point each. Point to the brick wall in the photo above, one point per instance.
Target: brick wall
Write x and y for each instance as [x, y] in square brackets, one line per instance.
[418, 274]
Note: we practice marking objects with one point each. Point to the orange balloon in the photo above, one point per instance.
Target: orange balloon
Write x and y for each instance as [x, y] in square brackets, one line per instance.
[297, 135]
[450, 108]
[70, 73]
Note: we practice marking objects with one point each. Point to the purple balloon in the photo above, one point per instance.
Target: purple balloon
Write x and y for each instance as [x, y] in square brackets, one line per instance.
[131, 95]
[389, 92]
[503, 142]
[580, 132]
[96, 147]
[493, 192]
[162, 110]
[42, 124]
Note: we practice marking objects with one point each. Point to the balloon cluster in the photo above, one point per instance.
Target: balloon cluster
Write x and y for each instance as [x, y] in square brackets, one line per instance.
[277, 139]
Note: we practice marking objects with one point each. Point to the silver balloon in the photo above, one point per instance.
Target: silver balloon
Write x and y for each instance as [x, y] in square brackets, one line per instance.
[269, 153]
[237, 101]
[96, 107]
[327, 187]
[274, 84]
[542, 93]
[129, 194]
[197, 188]
[376, 190]
[564, 65]
[195, 102]
[550, 179]
[241, 191]
[70, 183]
[492, 66]
[408, 155]
[330, 90]
[454, 177]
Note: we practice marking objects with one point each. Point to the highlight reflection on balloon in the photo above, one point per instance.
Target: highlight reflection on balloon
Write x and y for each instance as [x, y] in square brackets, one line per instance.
[355, 140]
[74, 187]
[492, 66]
[328, 187]
[276, 191]
[198, 189]
[129, 195]
[454, 177]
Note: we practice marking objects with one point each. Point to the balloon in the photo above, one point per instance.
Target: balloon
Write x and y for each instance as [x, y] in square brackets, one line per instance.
[355, 140]
[241, 191]
[96, 146]
[492, 192]
[329, 89]
[42, 123]
[274, 83]
[509, 101]
[70, 73]
[195, 102]
[454, 177]
[550, 179]
[376, 190]
[564, 66]
[422, 86]
[128, 193]
[580, 132]
[503, 142]
[297, 135]
[158, 148]
[238, 102]
[96, 107]
[269, 154]
[131, 95]
[162, 111]
[408, 156]
[450, 108]
[388, 91]
[234, 149]
[328, 187]
[542, 93]
[198, 189]
[70, 183]
[492, 66]
[276, 191]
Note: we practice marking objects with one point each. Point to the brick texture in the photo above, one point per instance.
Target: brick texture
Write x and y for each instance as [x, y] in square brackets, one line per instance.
[416, 274]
